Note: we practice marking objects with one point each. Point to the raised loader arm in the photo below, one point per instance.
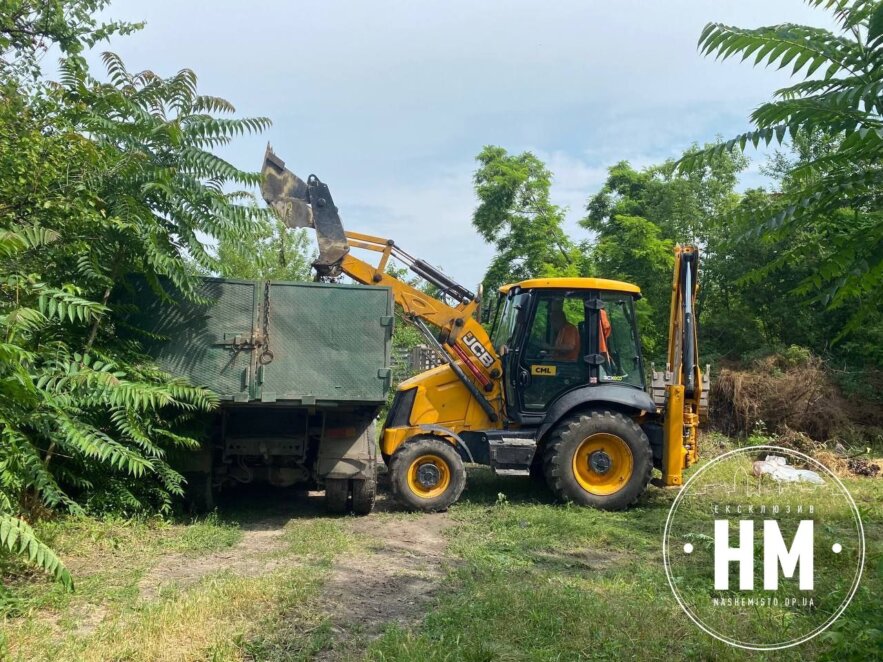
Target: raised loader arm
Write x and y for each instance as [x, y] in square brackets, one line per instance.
[682, 390]
[463, 341]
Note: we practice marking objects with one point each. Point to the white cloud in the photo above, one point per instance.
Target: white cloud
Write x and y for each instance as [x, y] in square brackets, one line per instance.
[389, 101]
[430, 219]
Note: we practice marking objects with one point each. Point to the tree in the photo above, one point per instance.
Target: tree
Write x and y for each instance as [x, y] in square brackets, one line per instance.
[751, 308]
[516, 215]
[841, 96]
[98, 181]
[638, 216]
[274, 252]
[632, 249]
[29, 27]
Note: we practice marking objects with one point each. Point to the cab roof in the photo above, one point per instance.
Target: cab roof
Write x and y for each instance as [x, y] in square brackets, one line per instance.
[574, 284]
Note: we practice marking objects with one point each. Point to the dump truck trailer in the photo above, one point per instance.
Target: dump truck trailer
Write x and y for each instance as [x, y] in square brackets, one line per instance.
[301, 370]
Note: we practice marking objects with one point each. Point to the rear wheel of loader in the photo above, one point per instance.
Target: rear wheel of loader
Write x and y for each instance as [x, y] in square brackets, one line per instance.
[337, 492]
[427, 473]
[601, 459]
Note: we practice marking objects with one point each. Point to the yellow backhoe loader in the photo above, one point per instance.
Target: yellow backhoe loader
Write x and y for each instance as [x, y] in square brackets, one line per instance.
[557, 388]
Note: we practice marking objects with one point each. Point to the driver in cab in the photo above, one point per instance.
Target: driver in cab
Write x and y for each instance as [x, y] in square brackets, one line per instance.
[567, 339]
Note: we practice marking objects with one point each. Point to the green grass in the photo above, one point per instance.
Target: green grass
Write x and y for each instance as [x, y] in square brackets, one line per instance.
[208, 534]
[528, 579]
[317, 541]
[539, 581]
[223, 614]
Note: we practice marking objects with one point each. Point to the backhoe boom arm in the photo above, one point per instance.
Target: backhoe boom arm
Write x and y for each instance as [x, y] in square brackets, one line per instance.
[681, 391]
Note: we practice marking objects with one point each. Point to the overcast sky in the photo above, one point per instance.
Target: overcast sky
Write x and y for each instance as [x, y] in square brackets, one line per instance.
[390, 101]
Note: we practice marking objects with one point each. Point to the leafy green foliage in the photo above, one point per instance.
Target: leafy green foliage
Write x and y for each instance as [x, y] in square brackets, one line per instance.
[841, 96]
[752, 297]
[638, 216]
[753, 300]
[516, 214]
[18, 537]
[99, 180]
[275, 252]
[29, 27]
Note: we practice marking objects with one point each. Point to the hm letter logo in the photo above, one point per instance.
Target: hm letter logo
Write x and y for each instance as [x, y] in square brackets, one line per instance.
[775, 554]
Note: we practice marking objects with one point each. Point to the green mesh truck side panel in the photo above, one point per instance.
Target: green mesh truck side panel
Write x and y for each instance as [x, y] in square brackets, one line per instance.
[329, 342]
[204, 342]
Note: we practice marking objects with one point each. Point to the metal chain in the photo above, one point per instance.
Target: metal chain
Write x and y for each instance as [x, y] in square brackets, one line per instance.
[266, 356]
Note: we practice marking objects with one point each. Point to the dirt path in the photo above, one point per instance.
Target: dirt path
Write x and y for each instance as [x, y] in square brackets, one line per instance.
[391, 579]
[250, 557]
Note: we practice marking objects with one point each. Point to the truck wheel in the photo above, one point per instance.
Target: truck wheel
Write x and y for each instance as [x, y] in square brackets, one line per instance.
[427, 474]
[337, 492]
[199, 493]
[600, 459]
[364, 493]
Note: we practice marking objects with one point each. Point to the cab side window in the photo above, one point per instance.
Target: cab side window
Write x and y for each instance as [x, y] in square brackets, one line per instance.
[618, 341]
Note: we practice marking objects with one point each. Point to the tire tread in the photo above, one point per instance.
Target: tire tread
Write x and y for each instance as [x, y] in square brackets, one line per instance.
[410, 450]
[556, 459]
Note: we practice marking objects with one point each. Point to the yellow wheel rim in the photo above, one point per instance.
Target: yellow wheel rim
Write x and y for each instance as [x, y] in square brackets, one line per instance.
[429, 476]
[603, 464]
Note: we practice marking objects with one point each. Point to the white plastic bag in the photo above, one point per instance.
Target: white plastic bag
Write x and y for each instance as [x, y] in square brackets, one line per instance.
[777, 468]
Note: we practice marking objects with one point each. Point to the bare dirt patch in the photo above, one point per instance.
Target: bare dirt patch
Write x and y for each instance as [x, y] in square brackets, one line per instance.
[391, 578]
[250, 557]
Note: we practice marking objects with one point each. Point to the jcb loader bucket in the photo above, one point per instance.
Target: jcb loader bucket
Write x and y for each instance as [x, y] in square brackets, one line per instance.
[305, 204]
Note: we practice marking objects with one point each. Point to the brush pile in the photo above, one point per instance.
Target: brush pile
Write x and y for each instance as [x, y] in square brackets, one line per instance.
[780, 396]
[793, 397]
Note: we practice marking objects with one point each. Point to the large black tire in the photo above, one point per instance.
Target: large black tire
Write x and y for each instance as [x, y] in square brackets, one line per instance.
[199, 492]
[598, 459]
[337, 492]
[365, 489]
[416, 464]
[364, 494]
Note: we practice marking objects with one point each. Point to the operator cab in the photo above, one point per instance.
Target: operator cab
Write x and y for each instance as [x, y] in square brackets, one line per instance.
[555, 335]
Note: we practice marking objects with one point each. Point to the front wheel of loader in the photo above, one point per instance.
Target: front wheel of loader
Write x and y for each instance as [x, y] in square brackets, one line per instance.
[427, 474]
[601, 459]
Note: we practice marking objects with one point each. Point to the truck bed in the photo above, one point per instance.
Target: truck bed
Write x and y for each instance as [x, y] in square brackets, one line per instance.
[275, 342]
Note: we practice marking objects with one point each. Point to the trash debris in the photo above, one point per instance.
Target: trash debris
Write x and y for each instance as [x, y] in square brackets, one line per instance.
[862, 467]
[777, 468]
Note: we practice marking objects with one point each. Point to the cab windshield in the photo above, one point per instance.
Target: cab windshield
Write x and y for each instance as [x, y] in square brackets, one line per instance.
[618, 340]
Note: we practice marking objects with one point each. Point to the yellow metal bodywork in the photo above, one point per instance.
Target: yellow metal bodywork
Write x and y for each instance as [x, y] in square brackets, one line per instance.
[574, 284]
[441, 401]
[674, 456]
[680, 426]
